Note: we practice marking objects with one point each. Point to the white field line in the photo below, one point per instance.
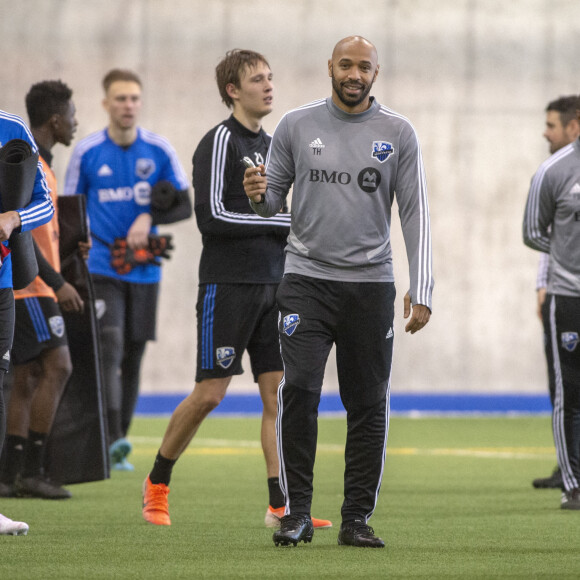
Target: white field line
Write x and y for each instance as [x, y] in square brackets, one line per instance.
[240, 446]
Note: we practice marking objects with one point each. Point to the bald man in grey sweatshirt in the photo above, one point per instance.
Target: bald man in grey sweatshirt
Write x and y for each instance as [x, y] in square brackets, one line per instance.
[347, 157]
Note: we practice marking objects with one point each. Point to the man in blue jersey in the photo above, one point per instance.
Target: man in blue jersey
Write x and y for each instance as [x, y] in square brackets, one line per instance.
[116, 169]
[39, 211]
[346, 157]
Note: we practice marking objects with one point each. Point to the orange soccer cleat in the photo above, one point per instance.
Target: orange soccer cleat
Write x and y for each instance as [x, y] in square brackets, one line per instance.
[155, 503]
[273, 517]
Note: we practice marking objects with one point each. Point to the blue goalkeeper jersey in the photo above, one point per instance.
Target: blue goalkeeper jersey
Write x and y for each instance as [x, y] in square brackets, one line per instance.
[40, 209]
[117, 182]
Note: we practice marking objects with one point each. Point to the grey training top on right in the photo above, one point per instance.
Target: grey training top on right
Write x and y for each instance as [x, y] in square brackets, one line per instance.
[346, 169]
[552, 218]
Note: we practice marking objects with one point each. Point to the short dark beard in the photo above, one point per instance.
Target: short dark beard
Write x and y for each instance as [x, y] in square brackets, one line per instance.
[349, 102]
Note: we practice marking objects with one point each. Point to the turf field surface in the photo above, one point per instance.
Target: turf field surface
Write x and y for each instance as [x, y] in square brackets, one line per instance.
[456, 502]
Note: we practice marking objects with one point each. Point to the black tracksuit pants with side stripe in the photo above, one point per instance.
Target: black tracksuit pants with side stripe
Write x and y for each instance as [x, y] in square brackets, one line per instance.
[358, 318]
[562, 320]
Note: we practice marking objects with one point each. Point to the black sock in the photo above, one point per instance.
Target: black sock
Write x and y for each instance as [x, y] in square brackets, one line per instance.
[162, 468]
[35, 448]
[12, 458]
[275, 493]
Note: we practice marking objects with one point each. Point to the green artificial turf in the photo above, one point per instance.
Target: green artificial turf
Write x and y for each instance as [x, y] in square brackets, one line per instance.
[456, 502]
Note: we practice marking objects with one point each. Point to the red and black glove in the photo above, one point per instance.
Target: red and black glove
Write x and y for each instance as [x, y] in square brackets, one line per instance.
[124, 259]
[160, 246]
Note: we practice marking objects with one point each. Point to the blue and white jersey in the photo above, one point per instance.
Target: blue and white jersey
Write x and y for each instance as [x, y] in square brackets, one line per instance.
[117, 182]
[40, 209]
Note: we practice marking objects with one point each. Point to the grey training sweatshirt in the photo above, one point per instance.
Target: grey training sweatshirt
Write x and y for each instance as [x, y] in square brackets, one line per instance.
[346, 170]
[554, 202]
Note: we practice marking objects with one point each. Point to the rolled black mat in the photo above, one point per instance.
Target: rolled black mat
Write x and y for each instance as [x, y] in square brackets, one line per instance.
[18, 166]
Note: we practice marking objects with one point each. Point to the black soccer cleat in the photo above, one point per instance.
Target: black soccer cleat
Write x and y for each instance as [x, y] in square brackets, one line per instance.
[552, 482]
[41, 487]
[358, 534]
[571, 499]
[7, 489]
[294, 528]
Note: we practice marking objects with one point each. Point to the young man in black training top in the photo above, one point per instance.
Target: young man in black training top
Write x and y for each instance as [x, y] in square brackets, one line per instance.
[241, 266]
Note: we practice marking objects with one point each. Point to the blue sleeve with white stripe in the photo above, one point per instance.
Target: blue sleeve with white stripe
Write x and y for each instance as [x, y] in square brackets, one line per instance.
[40, 209]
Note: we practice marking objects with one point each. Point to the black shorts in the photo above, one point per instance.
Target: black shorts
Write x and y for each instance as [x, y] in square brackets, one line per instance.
[126, 305]
[39, 326]
[232, 318]
[6, 327]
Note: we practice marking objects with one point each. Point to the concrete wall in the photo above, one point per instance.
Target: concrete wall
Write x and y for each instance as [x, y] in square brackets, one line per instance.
[474, 77]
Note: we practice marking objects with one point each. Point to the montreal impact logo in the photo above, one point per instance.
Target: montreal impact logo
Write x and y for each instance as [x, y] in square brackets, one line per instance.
[382, 150]
[570, 340]
[289, 324]
[225, 356]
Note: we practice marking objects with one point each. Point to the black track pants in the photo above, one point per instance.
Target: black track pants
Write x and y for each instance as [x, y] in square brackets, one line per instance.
[562, 317]
[358, 318]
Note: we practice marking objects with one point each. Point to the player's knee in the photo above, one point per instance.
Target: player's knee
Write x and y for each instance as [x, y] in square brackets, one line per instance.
[365, 400]
[64, 370]
[210, 401]
[61, 373]
[207, 396]
[111, 339]
[304, 379]
[57, 367]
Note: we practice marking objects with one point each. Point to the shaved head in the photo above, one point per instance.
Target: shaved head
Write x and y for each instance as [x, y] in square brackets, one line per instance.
[351, 42]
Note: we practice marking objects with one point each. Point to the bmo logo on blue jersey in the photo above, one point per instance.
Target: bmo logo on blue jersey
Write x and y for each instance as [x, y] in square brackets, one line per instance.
[140, 193]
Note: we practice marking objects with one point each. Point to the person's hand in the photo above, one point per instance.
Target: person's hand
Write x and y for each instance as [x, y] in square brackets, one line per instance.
[9, 221]
[541, 299]
[84, 248]
[69, 299]
[255, 183]
[419, 317]
[138, 234]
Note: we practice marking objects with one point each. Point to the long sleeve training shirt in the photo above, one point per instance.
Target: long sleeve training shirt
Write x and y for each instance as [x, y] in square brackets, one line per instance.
[239, 247]
[552, 218]
[346, 170]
